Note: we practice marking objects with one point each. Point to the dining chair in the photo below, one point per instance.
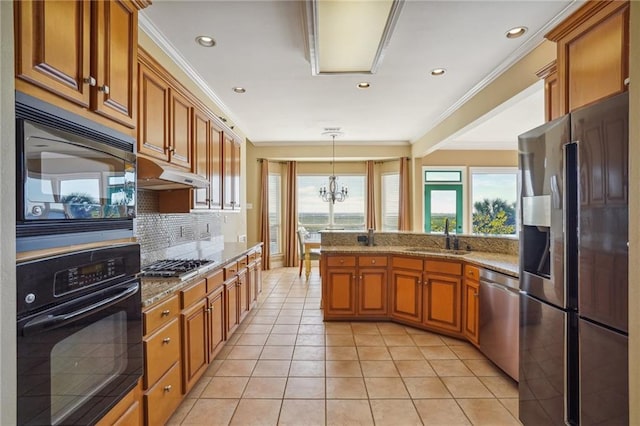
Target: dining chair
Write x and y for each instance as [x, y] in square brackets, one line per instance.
[314, 253]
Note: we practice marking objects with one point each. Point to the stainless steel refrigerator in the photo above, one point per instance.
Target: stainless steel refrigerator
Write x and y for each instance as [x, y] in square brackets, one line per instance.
[573, 268]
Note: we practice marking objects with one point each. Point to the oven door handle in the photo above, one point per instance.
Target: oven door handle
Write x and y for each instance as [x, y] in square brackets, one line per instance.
[48, 321]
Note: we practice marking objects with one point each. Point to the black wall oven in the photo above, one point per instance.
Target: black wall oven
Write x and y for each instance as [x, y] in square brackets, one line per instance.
[79, 333]
[74, 178]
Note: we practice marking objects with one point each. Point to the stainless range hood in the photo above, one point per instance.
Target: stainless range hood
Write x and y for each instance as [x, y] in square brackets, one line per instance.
[158, 176]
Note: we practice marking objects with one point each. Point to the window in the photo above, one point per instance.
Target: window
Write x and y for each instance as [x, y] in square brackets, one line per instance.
[275, 226]
[443, 200]
[390, 201]
[493, 194]
[315, 214]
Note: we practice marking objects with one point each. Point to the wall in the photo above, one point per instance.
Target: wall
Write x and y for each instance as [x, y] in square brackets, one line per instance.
[7, 220]
[634, 212]
[235, 222]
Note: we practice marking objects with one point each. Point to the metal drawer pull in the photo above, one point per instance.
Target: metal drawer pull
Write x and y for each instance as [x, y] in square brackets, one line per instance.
[166, 340]
[165, 313]
[373, 261]
[167, 388]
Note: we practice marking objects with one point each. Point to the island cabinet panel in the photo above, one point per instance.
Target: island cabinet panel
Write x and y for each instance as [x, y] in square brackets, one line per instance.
[372, 292]
[471, 311]
[406, 294]
[442, 302]
[340, 292]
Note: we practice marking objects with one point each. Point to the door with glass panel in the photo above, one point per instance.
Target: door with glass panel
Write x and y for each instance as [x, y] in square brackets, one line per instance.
[443, 202]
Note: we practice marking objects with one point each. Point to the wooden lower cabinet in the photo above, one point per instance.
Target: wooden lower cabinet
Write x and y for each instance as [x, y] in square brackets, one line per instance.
[127, 412]
[406, 295]
[471, 311]
[164, 397]
[442, 302]
[372, 292]
[243, 294]
[215, 312]
[231, 305]
[339, 296]
[195, 328]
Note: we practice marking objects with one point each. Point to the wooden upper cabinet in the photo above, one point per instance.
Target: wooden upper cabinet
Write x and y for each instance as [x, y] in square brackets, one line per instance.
[551, 91]
[116, 48]
[53, 47]
[180, 130]
[81, 51]
[227, 173]
[153, 114]
[593, 53]
[202, 156]
[216, 163]
[235, 175]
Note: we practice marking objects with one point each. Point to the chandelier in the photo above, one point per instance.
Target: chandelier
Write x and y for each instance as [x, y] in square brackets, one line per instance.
[332, 194]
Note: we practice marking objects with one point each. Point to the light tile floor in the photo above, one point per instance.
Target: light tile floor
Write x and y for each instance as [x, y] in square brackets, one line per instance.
[285, 366]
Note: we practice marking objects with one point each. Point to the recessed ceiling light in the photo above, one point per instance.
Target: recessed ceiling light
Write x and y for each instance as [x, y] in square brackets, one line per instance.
[516, 32]
[239, 89]
[205, 41]
[363, 85]
[438, 71]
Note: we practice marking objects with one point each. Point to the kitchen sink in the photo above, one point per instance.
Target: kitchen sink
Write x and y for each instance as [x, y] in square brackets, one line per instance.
[437, 250]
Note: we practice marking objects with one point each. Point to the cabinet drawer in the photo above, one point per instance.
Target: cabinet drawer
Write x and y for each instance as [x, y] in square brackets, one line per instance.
[215, 280]
[407, 263]
[472, 272]
[372, 260]
[193, 293]
[161, 350]
[341, 261]
[243, 262]
[164, 397]
[160, 314]
[452, 268]
[230, 269]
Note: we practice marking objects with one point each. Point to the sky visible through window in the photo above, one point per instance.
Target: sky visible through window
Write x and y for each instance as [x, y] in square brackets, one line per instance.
[309, 200]
[494, 185]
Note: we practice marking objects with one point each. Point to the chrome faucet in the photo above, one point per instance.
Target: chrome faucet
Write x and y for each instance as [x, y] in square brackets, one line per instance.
[447, 238]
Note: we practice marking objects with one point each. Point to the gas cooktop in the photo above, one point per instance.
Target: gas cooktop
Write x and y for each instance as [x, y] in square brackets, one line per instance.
[181, 269]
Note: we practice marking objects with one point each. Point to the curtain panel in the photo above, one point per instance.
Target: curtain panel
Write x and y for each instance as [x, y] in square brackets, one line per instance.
[291, 217]
[371, 200]
[265, 232]
[404, 218]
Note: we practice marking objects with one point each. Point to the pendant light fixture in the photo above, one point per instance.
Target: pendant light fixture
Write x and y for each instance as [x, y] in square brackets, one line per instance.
[332, 194]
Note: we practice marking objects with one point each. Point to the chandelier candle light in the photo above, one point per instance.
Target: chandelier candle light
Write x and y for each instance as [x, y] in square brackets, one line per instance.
[333, 194]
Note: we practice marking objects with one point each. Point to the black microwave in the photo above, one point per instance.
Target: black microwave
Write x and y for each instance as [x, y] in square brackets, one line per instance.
[76, 180]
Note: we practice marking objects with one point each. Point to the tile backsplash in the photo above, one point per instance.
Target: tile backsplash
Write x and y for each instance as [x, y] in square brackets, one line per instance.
[156, 232]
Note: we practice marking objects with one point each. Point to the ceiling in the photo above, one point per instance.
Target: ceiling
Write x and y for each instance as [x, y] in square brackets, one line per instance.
[262, 47]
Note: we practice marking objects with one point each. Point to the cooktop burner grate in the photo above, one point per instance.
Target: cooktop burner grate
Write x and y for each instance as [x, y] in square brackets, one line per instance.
[176, 268]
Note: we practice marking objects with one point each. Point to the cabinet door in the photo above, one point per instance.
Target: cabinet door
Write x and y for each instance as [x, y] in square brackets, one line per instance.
[53, 47]
[253, 290]
[216, 322]
[258, 282]
[243, 294]
[339, 292]
[153, 114]
[372, 292]
[216, 164]
[180, 130]
[194, 344]
[406, 295]
[114, 60]
[202, 156]
[442, 302]
[227, 172]
[231, 306]
[471, 312]
[236, 175]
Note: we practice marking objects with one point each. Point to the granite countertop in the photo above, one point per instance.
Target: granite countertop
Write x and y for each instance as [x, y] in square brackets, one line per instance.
[154, 289]
[500, 262]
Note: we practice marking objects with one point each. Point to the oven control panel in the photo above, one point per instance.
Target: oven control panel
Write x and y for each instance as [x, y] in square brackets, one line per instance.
[79, 277]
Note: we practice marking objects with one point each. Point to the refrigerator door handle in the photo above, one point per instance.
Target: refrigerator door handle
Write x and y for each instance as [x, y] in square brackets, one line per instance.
[570, 221]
